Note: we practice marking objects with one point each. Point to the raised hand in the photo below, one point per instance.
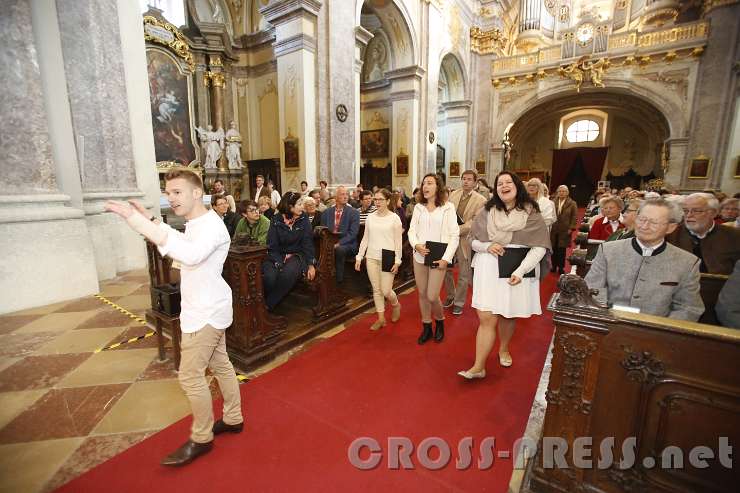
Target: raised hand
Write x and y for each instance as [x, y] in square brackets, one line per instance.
[139, 208]
[121, 208]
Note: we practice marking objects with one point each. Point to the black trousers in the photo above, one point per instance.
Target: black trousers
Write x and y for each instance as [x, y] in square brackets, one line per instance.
[279, 281]
[340, 256]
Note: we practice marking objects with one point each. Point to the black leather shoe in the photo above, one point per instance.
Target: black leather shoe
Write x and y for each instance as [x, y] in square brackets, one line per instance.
[426, 333]
[187, 453]
[439, 330]
[221, 427]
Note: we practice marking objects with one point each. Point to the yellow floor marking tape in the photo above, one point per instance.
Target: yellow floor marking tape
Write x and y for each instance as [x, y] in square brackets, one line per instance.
[130, 315]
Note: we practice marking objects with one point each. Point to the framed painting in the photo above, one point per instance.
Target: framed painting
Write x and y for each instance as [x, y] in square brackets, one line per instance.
[480, 167]
[170, 89]
[402, 165]
[374, 143]
[700, 167]
[454, 168]
[292, 159]
[737, 167]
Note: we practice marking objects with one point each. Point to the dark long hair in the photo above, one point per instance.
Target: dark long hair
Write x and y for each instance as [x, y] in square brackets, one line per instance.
[522, 196]
[439, 197]
[289, 200]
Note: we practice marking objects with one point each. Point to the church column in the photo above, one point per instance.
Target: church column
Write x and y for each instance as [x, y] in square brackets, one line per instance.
[496, 162]
[406, 118]
[96, 85]
[711, 120]
[44, 241]
[295, 50]
[214, 78]
[677, 152]
[362, 38]
[456, 123]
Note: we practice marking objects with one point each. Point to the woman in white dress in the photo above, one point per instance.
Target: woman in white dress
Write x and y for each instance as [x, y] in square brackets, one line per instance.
[434, 219]
[510, 220]
[383, 231]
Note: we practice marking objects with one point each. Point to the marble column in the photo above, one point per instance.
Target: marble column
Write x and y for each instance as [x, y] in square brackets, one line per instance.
[495, 162]
[711, 120]
[45, 242]
[457, 116]
[216, 81]
[677, 152]
[362, 38]
[295, 24]
[406, 117]
[90, 34]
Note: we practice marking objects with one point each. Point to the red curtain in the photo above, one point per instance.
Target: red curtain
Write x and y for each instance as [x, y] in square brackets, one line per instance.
[563, 160]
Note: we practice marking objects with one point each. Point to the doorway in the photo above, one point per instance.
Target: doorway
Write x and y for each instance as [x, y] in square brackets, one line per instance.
[268, 168]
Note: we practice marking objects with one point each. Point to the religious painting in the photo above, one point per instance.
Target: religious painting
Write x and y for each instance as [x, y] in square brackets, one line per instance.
[169, 97]
[374, 143]
[454, 168]
[699, 167]
[480, 167]
[402, 165]
[292, 159]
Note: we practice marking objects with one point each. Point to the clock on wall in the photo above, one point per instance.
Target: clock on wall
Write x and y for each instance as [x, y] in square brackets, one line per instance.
[585, 33]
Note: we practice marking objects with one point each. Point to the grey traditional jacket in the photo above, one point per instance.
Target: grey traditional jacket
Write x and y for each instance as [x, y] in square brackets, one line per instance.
[665, 284]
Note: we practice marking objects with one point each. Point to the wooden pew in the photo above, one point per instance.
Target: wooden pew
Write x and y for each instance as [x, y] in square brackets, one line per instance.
[621, 375]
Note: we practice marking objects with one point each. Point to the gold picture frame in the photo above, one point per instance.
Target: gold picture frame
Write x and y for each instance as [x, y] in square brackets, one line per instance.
[454, 168]
[700, 167]
[402, 164]
[480, 167]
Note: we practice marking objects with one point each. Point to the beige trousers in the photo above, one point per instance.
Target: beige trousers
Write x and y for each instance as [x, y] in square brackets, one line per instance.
[382, 283]
[464, 275]
[203, 349]
[429, 283]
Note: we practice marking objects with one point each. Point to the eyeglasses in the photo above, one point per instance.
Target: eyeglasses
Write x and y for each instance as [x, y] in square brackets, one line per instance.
[251, 209]
[641, 220]
[694, 211]
[379, 199]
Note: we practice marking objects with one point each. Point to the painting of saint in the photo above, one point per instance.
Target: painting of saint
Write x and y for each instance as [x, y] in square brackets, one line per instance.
[374, 143]
[168, 93]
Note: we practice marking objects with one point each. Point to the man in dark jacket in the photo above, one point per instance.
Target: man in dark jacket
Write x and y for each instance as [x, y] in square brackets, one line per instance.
[231, 219]
[345, 221]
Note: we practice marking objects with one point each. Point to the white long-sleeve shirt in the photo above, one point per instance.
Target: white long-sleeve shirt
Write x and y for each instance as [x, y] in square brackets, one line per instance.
[547, 209]
[381, 232]
[202, 249]
[530, 261]
[439, 225]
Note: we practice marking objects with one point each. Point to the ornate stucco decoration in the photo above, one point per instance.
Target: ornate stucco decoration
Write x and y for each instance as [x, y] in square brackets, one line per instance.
[585, 70]
[487, 42]
[164, 33]
[710, 5]
[215, 78]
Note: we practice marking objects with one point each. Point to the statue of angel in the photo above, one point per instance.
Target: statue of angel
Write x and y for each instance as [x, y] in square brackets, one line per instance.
[233, 146]
[213, 142]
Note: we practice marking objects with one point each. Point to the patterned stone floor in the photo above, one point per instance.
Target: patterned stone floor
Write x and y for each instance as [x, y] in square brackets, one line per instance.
[65, 408]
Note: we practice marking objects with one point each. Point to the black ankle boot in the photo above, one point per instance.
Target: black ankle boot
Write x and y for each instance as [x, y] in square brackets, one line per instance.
[439, 330]
[426, 332]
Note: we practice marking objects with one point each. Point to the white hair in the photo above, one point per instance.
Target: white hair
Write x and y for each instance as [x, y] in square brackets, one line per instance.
[675, 213]
[711, 200]
[306, 199]
[564, 187]
[540, 186]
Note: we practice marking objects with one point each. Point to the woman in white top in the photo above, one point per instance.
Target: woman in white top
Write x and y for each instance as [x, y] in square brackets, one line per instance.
[536, 190]
[383, 231]
[433, 219]
[509, 221]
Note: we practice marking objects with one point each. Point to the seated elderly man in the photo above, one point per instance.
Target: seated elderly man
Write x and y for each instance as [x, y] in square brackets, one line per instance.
[610, 221]
[647, 273]
[718, 247]
[253, 225]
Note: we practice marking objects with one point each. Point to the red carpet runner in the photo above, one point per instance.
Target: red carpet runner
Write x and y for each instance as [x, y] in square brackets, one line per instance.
[302, 416]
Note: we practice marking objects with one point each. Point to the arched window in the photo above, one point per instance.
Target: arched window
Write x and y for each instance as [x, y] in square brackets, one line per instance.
[582, 131]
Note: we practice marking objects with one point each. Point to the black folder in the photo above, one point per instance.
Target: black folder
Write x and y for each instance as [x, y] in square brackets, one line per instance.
[436, 251]
[510, 261]
[460, 222]
[388, 259]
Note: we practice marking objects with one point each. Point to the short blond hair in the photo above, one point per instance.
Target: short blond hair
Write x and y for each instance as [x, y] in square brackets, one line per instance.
[186, 174]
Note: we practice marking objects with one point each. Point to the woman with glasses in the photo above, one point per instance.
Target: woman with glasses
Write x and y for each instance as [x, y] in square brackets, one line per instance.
[383, 232]
[290, 250]
[628, 220]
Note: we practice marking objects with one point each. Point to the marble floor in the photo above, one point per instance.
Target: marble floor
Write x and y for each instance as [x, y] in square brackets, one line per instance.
[64, 408]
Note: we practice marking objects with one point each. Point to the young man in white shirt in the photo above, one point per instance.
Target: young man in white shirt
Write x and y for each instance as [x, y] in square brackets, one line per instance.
[206, 305]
